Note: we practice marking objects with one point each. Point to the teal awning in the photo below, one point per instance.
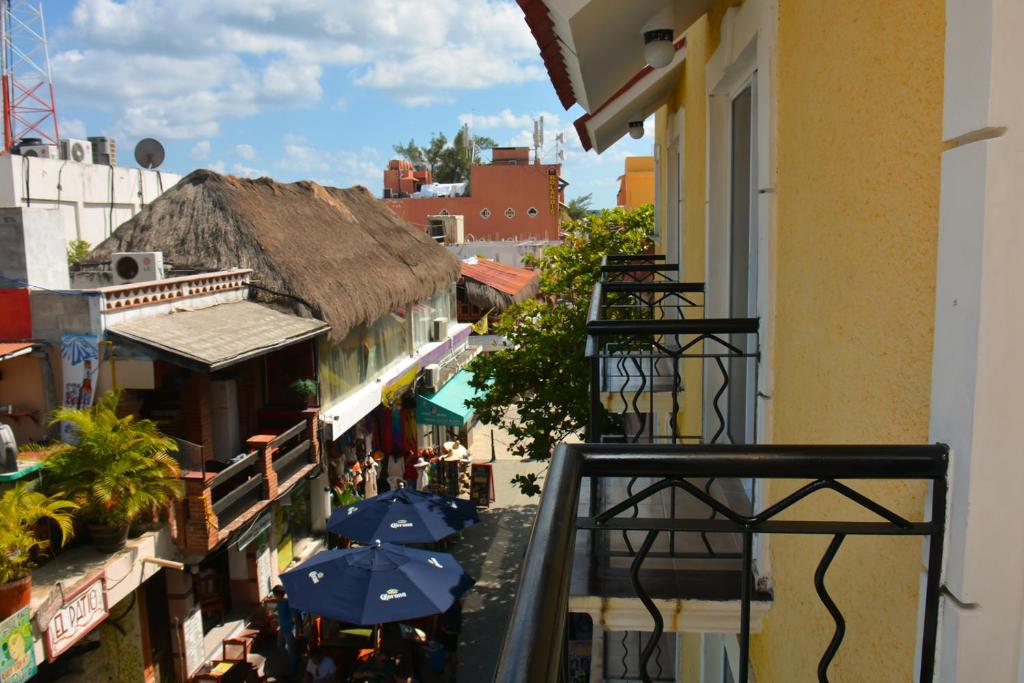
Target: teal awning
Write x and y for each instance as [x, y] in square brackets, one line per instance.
[447, 407]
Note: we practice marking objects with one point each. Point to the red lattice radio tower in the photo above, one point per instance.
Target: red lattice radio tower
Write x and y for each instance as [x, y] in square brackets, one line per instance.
[29, 108]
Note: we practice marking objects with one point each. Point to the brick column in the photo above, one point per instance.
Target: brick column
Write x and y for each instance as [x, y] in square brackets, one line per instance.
[265, 461]
[200, 523]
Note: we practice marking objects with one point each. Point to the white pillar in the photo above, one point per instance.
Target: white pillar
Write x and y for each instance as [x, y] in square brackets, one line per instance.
[978, 362]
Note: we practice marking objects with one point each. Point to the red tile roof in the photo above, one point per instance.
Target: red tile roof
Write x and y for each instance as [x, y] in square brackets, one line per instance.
[508, 279]
[543, 29]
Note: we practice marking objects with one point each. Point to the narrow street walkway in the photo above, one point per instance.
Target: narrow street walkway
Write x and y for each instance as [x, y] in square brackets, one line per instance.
[492, 551]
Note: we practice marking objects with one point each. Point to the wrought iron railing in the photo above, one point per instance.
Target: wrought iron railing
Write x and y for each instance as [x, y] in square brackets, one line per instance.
[637, 268]
[641, 338]
[534, 646]
[662, 373]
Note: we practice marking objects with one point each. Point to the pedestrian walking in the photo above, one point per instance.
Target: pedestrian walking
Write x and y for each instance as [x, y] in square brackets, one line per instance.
[286, 630]
[371, 471]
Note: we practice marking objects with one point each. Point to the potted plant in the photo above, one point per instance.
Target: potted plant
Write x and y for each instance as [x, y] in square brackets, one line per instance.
[305, 389]
[21, 511]
[118, 469]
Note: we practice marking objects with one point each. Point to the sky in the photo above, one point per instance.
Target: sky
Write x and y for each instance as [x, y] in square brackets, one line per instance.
[310, 89]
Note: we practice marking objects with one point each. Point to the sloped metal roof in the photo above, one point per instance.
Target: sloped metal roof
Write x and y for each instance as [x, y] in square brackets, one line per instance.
[222, 335]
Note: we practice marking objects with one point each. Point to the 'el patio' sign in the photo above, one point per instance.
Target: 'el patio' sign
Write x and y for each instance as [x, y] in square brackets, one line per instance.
[81, 612]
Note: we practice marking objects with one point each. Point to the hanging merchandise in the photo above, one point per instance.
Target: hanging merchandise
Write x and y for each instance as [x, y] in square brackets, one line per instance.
[409, 429]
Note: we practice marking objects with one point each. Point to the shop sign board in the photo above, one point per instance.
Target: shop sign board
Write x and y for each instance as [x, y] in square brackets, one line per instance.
[391, 393]
[263, 571]
[81, 612]
[192, 637]
[17, 658]
[552, 192]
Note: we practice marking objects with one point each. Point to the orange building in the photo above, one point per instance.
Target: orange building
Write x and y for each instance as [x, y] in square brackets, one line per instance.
[510, 198]
[636, 185]
[402, 178]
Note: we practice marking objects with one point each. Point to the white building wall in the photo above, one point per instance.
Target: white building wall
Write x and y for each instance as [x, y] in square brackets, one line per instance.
[978, 369]
[93, 199]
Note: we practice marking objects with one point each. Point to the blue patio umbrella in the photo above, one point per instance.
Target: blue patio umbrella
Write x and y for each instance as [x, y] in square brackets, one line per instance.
[403, 516]
[377, 584]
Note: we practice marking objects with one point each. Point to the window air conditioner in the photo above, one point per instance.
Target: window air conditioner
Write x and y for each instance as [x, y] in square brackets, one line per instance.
[432, 377]
[438, 329]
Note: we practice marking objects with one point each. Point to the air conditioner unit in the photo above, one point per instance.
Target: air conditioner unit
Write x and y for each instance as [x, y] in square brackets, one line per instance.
[447, 229]
[438, 329]
[42, 151]
[432, 377]
[104, 150]
[139, 266]
[76, 150]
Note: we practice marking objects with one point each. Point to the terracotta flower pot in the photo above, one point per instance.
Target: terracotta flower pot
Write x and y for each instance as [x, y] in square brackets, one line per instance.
[14, 595]
[108, 539]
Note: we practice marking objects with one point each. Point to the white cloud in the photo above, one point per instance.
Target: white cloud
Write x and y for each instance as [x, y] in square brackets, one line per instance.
[503, 119]
[247, 171]
[246, 152]
[177, 70]
[200, 150]
[72, 128]
[340, 168]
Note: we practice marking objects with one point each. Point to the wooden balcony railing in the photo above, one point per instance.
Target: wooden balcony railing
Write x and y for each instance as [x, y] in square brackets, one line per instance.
[220, 497]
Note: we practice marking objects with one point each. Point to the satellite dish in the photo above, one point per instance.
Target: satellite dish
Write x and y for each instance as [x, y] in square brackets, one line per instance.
[149, 153]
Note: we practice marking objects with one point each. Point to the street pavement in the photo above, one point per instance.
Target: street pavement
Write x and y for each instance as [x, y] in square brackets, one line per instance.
[492, 551]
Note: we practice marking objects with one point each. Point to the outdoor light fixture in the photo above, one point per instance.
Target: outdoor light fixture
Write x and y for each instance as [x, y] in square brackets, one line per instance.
[636, 129]
[658, 47]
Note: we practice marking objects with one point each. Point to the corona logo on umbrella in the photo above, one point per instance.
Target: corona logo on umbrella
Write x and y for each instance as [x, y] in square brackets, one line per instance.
[393, 594]
[316, 576]
[401, 524]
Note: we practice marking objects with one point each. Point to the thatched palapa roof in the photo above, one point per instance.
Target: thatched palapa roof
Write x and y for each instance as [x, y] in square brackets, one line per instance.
[338, 255]
[490, 284]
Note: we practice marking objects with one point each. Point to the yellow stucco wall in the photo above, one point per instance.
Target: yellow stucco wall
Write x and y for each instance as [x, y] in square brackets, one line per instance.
[636, 184]
[859, 95]
[858, 90]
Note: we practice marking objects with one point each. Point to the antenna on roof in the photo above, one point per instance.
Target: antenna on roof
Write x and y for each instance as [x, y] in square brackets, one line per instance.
[149, 153]
[538, 138]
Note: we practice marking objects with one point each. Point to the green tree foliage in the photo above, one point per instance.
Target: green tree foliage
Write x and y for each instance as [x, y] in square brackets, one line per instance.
[449, 163]
[77, 250]
[118, 469]
[578, 207]
[543, 373]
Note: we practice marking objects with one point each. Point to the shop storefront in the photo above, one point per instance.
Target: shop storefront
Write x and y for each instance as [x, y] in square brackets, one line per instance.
[446, 411]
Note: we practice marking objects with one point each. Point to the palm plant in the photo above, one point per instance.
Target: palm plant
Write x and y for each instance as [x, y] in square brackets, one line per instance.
[21, 510]
[119, 467]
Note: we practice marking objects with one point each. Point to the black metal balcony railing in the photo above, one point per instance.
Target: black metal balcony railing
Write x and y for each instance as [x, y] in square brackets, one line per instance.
[647, 340]
[637, 268]
[534, 646]
[642, 334]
